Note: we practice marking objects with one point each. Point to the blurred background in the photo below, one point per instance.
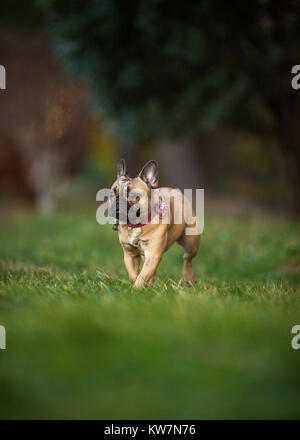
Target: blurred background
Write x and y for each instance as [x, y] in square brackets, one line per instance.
[202, 87]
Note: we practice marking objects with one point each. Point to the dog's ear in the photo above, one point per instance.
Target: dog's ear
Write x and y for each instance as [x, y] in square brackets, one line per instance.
[149, 173]
[121, 168]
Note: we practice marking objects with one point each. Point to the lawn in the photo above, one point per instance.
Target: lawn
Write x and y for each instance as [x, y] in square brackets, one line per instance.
[82, 343]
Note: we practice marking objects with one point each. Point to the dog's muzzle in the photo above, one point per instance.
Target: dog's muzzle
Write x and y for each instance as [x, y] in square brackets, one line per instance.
[119, 209]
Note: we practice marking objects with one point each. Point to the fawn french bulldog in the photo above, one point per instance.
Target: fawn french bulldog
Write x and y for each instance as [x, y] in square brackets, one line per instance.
[149, 220]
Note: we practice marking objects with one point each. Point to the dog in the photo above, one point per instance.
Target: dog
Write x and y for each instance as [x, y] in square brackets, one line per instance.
[145, 216]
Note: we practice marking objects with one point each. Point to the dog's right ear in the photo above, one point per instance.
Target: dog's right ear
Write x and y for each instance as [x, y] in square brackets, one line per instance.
[149, 173]
[121, 168]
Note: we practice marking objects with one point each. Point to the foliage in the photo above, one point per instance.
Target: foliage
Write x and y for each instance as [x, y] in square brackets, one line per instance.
[82, 343]
[179, 67]
[20, 16]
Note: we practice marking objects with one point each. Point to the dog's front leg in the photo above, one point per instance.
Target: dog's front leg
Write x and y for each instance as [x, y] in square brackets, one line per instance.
[147, 274]
[132, 263]
[153, 255]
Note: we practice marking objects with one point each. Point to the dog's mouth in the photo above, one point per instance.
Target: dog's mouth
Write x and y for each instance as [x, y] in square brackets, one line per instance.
[125, 213]
[118, 210]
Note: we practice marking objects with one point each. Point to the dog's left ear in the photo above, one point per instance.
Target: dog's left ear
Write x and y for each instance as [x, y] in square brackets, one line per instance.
[149, 173]
[121, 168]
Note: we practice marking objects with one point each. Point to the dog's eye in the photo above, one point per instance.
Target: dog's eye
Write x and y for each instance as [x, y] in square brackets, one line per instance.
[133, 197]
[112, 193]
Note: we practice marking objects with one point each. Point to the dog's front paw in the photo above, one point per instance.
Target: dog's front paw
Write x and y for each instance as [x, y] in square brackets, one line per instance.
[142, 282]
[190, 283]
[139, 283]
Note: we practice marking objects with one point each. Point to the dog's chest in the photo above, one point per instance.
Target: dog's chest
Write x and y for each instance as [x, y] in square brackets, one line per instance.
[134, 235]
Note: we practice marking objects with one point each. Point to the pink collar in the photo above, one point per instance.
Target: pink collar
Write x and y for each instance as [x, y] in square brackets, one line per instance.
[159, 208]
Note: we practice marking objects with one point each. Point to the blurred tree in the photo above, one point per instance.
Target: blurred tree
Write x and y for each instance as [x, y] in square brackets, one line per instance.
[44, 119]
[173, 68]
[20, 15]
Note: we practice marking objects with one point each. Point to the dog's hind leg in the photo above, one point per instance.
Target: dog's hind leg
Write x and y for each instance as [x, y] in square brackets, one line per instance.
[190, 244]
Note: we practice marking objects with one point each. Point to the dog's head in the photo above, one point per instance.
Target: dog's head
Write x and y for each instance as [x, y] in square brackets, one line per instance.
[130, 198]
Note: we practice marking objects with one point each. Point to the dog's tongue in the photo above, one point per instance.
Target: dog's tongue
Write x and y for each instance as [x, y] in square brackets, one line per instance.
[161, 209]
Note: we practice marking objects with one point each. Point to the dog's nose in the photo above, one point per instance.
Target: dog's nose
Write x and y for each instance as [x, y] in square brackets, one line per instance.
[121, 209]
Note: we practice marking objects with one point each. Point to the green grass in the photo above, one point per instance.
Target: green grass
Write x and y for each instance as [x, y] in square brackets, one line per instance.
[82, 343]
